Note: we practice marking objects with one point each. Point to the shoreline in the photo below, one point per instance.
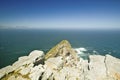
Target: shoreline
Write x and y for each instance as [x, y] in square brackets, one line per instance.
[59, 63]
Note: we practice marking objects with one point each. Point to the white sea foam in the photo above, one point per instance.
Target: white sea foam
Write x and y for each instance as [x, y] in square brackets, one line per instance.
[80, 50]
[95, 52]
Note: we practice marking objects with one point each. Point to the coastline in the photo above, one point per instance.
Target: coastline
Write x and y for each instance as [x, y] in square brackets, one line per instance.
[59, 64]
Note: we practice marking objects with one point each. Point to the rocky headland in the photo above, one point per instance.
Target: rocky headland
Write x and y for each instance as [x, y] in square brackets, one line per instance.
[62, 63]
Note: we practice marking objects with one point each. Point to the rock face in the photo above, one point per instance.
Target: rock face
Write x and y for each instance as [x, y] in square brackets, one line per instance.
[62, 49]
[23, 69]
[62, 63]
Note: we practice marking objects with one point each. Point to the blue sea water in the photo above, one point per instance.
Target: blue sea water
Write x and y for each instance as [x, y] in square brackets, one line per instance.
[18, 42]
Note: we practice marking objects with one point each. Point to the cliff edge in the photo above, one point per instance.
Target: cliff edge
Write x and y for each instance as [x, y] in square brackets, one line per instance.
[62, 63]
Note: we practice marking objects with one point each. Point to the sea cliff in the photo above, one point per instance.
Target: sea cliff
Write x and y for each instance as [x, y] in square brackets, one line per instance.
[62, 63]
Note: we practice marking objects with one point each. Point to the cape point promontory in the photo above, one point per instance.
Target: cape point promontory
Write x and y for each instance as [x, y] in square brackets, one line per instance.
[62, 62]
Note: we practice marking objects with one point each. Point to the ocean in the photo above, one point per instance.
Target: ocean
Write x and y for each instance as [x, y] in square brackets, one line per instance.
[20, 42]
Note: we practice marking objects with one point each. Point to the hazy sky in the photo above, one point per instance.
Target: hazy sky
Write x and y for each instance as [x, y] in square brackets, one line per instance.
[60, 14]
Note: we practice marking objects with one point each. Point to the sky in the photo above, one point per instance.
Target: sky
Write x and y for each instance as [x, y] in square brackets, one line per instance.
[60, 14]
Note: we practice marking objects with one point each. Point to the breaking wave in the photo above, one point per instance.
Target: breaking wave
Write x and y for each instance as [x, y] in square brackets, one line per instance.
[85, 52]
[80, 50]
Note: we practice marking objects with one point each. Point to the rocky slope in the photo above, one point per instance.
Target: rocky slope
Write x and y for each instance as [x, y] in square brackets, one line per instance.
[62, 63]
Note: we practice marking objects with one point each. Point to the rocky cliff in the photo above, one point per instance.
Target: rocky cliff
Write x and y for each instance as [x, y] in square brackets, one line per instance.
[62, 63]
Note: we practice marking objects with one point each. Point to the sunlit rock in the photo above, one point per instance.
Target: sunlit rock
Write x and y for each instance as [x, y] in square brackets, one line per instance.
[62, 63]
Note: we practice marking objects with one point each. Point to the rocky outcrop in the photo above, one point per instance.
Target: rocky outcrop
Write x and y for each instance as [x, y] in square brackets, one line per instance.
[23, 69]
[62, 63]
[112, 67]
[62, 49]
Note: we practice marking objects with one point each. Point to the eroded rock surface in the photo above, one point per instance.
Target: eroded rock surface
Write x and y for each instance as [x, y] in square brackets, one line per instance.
[62, 63]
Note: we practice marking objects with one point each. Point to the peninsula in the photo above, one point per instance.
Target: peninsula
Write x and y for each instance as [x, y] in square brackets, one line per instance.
[62, 63]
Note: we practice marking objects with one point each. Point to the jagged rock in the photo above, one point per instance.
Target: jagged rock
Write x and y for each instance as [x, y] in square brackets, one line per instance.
[6, 70]
[62, 49]
[96, 68]
[26, 60]
[62, 63]
[67, 73]
[16, 77]
[22, 67]
[54, 63]
[36, 72]
[47, 74]
[113, 67]
[103, 68]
